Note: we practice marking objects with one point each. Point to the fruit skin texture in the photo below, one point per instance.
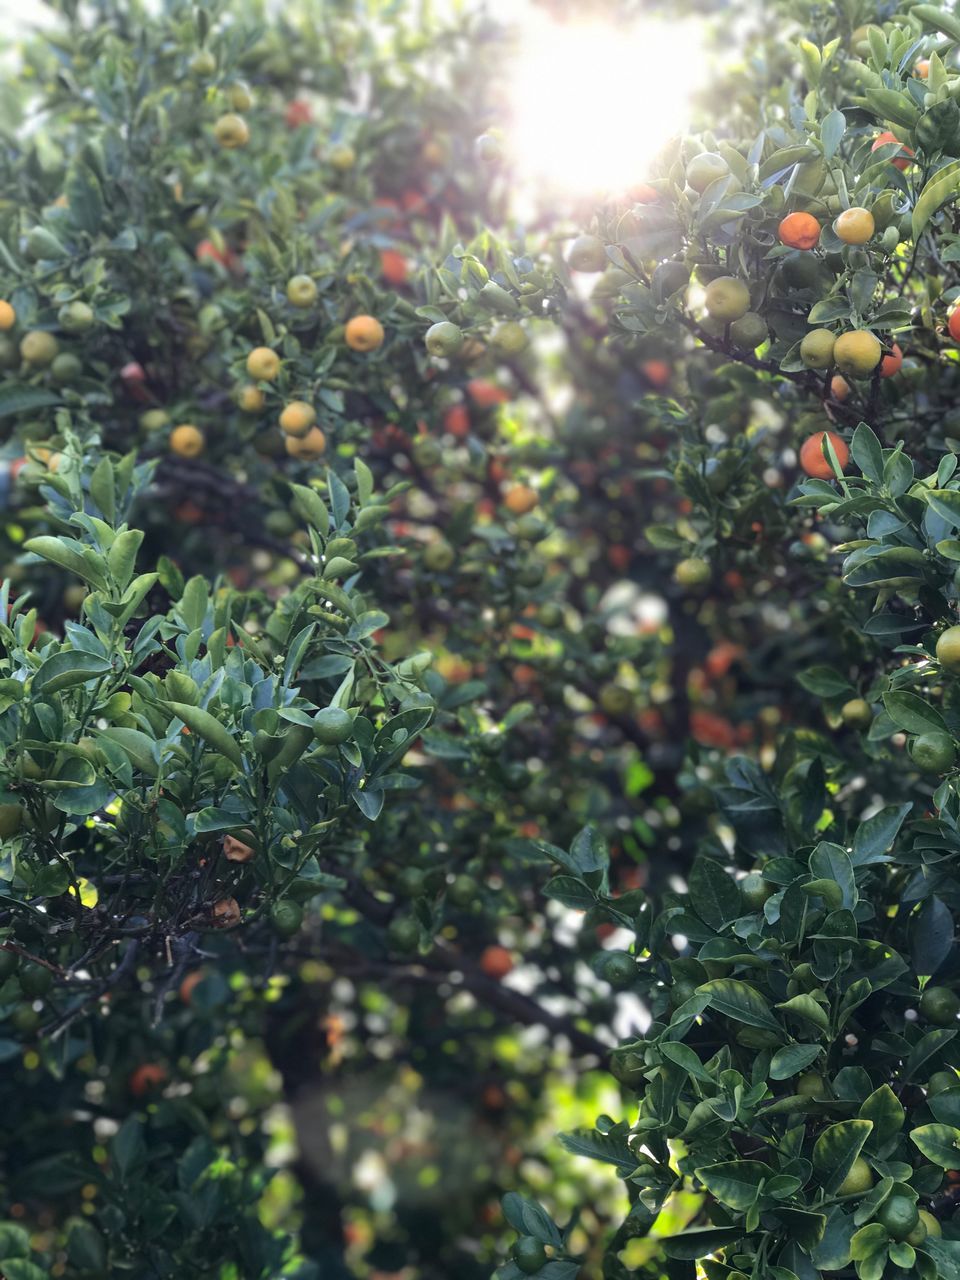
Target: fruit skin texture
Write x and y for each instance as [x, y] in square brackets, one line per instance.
[899, 1215]
[704, 169]
[443, 338]
[332, 725]
[933, 752]
[263, 364]
[857, 353]
[8, 317]
[231, 131]
[901, 161]
[619, 969]
[519, 499]
[692, 572]
[363, 333]
[297, 418]
[587, 254]
[953, 324]
[855, 226]
[529, 1255]
[301, 291]
[39, 347]
[891, 364]
[799, 231]
[186, 441]
[858, 1180]
[727, 298]
[940, 1005]
[816, 349]
[496, 962]
[948, 649]
[307, 447]
[812, 460]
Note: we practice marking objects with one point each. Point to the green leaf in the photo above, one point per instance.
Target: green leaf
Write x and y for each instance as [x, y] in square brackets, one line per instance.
[940, 1143]
[740, 1001]
[939, 190]
[792, 1059]
[14, 399]
[714, 895]
[531, 1219]
[825, 682]
[571, 892]
[884, 1109]
[685, 1058]
[735, 1182]
[68, 668]
[836, 1150]
[945, 502]
[208, 727]
[911, 713]
[607, 1147]
[867, 453]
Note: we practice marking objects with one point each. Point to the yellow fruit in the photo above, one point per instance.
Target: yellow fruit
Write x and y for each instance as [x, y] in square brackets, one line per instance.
[263, 364]
[519, 499]
[342, 156]
[816, 349]
[855, 226]
[231, 131]
[39, 347]
[301, 291]
[858, 1180]
[297, 418]
[186, 440]
[363, 333]
[727, 299]
[251, 399]
[857, 353]
[154, 419]
[306, 448]
[948, 649]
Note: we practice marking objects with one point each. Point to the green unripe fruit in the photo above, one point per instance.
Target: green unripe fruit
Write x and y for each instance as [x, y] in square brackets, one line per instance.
[627, 1064]
[301, 291]
[550, 615]
[816, 349]
[25, 1020]
[692, 572]
[749, 332]
[587, 254]
[669, 278]
[931, 1227]
[509, 338]
[948, 649]
[11, 820]
[704, 169]
[933, 752]
[443, 339]
[410, 882]
[615, 700]
[426, 451]
[491, 744]
[403, 935]
[439, 555]
[75, 317]
[65, 369]
[811, 1085]
[529, 1255]
[332, 725]
[899, 1215]
[727, 298]
[858, 1180]
[755, 890]
[286, 917]
[462, 891]
[619, 969]
[857, 713]
[940, 1005]
[35, 980]
[39, 348]
[8, 963]
[203, 63]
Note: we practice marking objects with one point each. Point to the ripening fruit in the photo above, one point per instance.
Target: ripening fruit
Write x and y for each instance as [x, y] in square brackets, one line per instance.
[587, 253]
[332, 725]
[297, 418]
[799, 231]
[857, 353]
[727, 298]
[8, 317]
[443, 339]
[839, 388]
[902, 160]
[342, 156]
[509, 338]
[39, 348]
[393, 267]
[75, 317]
[363, 333]
[203, 63]
[948, 649]
[940, 1005]
[186, 441]
[692, 572]
[749, 332]
[858, 1180]
[145, 1078]
[263, 364]
[898, 1215]
[520, 498]
[933, 752]
[812, 459]
[251, 399]
[231, 131]
[241, 99]
[307, 448]
[857, 713]
[529, 1255]
[931, 1223]
[953, 324]
[816, 349]
[704, 169]
[855, 226]
[301, 291]
[496, 962]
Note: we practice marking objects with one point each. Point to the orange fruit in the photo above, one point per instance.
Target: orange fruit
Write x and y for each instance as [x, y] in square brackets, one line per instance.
[457, 421]
[855, 226]
[890, 364]
[953, 324]
[486, 394]
[839, 388]
[901, 161]
[363, 333]
[297, 418]
[190, 982]
[251, 399]
[812, 459]
[186, 440]
[799, 231]
[145, 1078]
[263, 364]
[393, 267]
[297, 113]
[496, 962]
[307, 447]
[519, 499]
[922, 68]
[226, 912]
[8, 317]
[657, 373]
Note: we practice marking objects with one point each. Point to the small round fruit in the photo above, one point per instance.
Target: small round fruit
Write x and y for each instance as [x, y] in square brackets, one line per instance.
[403, 935]
[899, 1216]
[755, 890]
[520, 498]
[934, 752]
[226, 912]
[811, 1085]
[858, 1180]
[39, 348]
[301, 291]
[239, 95]
[439, 555]
[812, 459]
[857, 713]
[509, 338]
[619, 968]
[749, 332]
[443, 339]
[297, 418]
[203, 63]
[332, 725]
[8, 316]
[8, 963]
[411, 882]
[692, 572]
[948, 649]
[75, 317]
[904, 156]
[186, 441]
[251, 399]
[35, 980]
[587, 253]
[342, 156]
[727, 298]
[286, 917]
[953, 324]
[363, 333]
[529, 1255]
[816, 348]
[231, 131]
[25, 1019]
[855, 226]
[930, 1223]
[839, 388]
[66, 368]
[704, 169]
[892, 362]
[799, 231]
[940, 1005]
[307, 448]
[263, 364]
[462, 891]
[488, 148]
[857, 353]
[496, 962]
